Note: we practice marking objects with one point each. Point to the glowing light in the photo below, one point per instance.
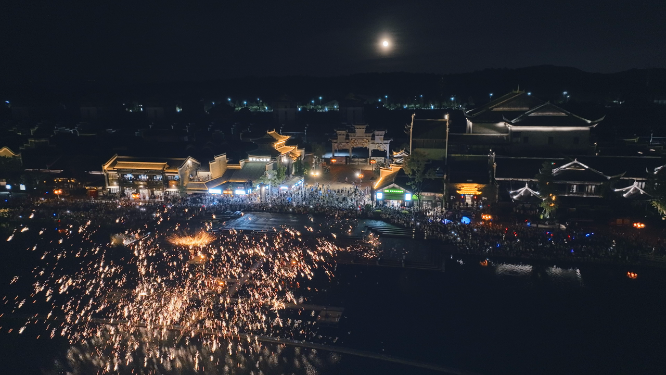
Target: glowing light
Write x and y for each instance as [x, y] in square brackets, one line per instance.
[200, 239]
[215, 191]
[632, 275]
[469, 189]
[385, 43]
[408, 197]
[380, 195]
[639, 225]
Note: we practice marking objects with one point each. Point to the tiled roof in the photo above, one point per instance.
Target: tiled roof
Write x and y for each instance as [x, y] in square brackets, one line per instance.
[145, 163]
[251, 171]
[522, 168]
[512, 102]
[549, 114]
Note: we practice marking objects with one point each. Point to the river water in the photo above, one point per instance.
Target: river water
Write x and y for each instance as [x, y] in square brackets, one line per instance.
[481, 316]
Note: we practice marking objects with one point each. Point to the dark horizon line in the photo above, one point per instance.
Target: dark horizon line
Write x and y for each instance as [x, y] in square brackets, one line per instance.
[116, 82]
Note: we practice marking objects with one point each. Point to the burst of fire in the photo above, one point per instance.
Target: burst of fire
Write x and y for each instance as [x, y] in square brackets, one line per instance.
[200, 239]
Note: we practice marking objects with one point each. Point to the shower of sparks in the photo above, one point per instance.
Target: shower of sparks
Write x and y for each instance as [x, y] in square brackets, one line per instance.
[134, 292]
[201, 239]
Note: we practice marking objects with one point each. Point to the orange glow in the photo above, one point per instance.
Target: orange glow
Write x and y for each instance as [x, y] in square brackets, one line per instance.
[200, 239]
[484, 263]
[469, 189]
[639, 225]
[135, 196]
[57, 191]
[632, 275]
[373, 161]
[486, 217]
[333, 160]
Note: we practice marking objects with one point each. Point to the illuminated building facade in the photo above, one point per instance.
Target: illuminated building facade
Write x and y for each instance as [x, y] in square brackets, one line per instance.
[361, 138]
[392, 189]
[580, 181]
[518, 122]
[272, 148]
[148, 177]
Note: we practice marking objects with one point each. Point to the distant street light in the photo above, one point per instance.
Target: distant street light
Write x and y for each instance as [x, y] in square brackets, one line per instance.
[491, 96]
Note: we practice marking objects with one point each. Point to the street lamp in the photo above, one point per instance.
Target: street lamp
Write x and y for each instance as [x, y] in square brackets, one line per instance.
[320, 100]
[491, 96]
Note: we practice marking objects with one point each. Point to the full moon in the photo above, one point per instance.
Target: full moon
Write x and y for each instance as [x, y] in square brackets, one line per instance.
[385, 43]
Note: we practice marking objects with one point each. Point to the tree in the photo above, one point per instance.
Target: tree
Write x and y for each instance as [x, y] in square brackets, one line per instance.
[656, 187]
[299, 167]
[273, 177]
[416, 167]
[318, 151]
[281, 173]
[547, 189]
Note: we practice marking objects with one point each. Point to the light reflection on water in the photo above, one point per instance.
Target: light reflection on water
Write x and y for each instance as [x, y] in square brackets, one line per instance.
[556, 274]
[145, 353]
[565, 275]
[508, 269]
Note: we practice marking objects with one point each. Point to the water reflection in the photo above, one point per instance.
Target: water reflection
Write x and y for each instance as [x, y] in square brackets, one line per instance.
[554, 273]
[144, 353]
[508, 269]
[568, 275]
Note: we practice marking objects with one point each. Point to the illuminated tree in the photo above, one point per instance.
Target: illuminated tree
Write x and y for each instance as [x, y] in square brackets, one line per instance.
[416, 167]
[656, 187]
[547, 189]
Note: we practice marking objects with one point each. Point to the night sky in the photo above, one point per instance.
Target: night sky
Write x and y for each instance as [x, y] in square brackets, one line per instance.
[201, 40]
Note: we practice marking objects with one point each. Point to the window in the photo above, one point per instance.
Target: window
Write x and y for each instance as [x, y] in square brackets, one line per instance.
[573, 188]
[576, 140]
[591, 189]
[551, 140]
[526, 139]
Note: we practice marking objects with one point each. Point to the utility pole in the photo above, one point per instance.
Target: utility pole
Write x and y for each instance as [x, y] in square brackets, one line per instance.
[411, 128]
[446, 155]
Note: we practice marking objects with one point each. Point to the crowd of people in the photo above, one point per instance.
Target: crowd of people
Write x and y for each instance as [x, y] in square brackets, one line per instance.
[474, 237]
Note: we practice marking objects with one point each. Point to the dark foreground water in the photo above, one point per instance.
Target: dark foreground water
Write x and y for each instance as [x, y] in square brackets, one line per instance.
[503, 318]
[494, 317]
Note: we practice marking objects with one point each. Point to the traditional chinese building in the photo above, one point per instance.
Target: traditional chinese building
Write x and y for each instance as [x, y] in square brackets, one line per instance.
[149, 177]
[361, 138]
[393, 189]
[272, 148]
[518, 122]
[577, 180]
[8, 153]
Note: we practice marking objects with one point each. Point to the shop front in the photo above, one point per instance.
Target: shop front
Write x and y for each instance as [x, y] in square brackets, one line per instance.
[394, 197]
